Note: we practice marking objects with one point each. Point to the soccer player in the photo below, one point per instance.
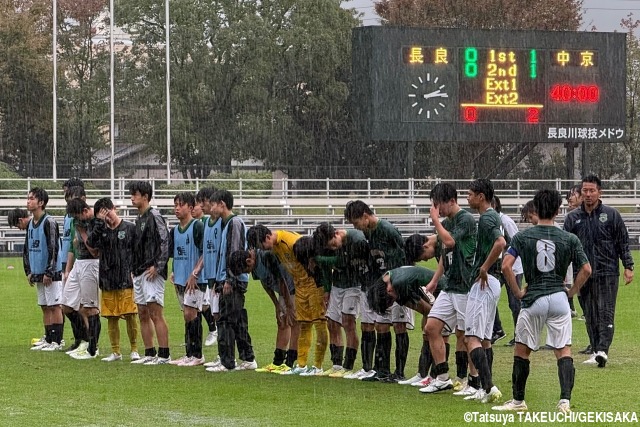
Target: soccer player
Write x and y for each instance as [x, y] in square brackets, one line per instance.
[149, 267]
[18, 218]
[41, 266]
[482, 300]
[83, 274]
[309, 297]
[457, 234]
[278, 284]
[604, 236]
[350, 270]
[185, 247]
[207, 314]
[114, 238]
[386, 252]
[233, 324]
[546, 252]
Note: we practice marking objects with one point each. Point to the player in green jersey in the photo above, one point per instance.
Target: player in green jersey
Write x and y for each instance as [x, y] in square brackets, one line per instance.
[546, 252]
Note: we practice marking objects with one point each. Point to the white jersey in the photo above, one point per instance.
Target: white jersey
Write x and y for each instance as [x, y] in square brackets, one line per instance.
[511, 229]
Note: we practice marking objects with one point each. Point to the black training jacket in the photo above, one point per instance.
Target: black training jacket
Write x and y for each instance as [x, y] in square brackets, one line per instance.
[604, 238]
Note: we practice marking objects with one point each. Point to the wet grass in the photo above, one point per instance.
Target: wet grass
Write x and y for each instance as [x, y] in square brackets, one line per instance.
[52, 389]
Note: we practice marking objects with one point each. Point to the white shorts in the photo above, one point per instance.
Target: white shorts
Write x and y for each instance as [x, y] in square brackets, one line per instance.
[397, 314]
[81, 287]
[215, 302]
[451, 310]
[343, 301]
[193, 299]
[49, 296]
[148, 291]
[206, 298]
[367, 315]
[481, 309]
[551, 310]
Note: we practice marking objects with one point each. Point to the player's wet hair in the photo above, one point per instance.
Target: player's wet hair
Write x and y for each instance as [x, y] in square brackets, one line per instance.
[547, 202]
[75, 192]
[443, 192]
[356, 209]
[73, 182]
[528, 209]
[40, 195]
[576, 189]
[413, 248]
[223, 196]
[76, 207]
[378, 298]
[14, 216]
[205, 194]
[256, 235]
[593, 179]
[496, 204]
[482, 186]
[104, 203]
[142, 187]
[238, 262]
[185, 198]
[322, 234]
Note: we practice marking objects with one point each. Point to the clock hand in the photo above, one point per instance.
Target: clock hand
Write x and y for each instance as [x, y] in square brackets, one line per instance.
[435, 94]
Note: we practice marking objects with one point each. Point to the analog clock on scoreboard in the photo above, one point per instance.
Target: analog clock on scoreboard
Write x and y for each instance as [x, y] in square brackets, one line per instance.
[412, 84]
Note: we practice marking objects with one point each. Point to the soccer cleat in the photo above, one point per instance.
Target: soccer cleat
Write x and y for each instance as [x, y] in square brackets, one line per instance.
[340, 373]
[112, 357]
[80, 348]
[331, 370]
[467, 391]
[493, 396]
[194, 361]
[478, 395]
[38, 341]
[247, 366]
[601, 359]
[179, 360]
[437, 385]
[218, 368]
[134, 356]
[297, 370]
[511, 405]
[459, 384]
[423, 382]
[72, 347]
[378, 376]
[40, 346]
[587, 350]
[497, 336]
[268, 368]
[312, 372]
[511, 343]
[213, 363]
[591, 360]
[356, 375]
[368, 374]
[413, 379]
[281, 368]
[158, 361]
[52, 347]
[212, 338]
[84, 355]
[143, 360]
[392, 379]
[564, 406]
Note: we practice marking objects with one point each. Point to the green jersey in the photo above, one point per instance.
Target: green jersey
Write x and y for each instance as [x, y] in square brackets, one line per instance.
[350, 266]
[546, 252]
[489, 229]
[386, 247]
[458, 261]
[408, 281]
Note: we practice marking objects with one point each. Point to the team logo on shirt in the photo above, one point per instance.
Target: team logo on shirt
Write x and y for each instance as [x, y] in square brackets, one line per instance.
[181, 250]
[603, 217]
[122, 235]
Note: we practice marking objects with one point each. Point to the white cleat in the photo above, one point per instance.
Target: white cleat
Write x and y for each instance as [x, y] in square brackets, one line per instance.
[410, 381]
[212, 338]
[467, 391]
[437, 385]
[493, 396]
[134, 356]
[511, 405]
[247, 366]
[113, 357]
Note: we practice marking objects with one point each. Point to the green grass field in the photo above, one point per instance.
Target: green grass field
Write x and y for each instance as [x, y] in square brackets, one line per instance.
[54, 390]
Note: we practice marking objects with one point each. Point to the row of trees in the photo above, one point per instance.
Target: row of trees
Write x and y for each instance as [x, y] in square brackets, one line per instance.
[263, 79]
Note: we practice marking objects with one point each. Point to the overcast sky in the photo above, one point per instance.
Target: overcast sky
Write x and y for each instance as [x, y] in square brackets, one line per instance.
[605, 15]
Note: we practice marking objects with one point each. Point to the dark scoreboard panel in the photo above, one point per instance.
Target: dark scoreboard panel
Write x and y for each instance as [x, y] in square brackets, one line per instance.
[413, 84]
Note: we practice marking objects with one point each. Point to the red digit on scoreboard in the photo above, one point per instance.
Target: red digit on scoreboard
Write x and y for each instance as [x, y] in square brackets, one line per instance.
[533, 115]
[470, 114]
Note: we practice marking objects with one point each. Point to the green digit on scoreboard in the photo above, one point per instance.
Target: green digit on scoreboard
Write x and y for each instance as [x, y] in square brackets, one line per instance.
[533, 64]
[471, 62]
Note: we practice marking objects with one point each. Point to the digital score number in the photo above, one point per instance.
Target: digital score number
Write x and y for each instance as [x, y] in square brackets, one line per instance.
[465, 85]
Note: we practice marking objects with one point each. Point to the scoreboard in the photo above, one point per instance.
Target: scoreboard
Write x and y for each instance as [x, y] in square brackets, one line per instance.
[413, 84]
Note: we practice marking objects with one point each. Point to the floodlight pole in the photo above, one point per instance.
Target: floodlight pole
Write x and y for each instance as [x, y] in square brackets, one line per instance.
[55, 93]
[166, 25]
[112, 98]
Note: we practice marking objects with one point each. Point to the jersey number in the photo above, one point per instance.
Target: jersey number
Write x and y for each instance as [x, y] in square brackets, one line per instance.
[546, 259]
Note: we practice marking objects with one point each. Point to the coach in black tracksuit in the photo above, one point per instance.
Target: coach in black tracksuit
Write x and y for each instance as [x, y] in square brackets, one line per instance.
[605, 239]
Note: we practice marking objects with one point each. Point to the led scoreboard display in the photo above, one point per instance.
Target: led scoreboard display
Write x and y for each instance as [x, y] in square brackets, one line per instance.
[412, 84]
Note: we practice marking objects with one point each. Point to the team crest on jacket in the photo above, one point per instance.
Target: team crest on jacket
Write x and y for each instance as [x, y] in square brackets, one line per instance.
[121, 235]
[603, 217]
[142, 226]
